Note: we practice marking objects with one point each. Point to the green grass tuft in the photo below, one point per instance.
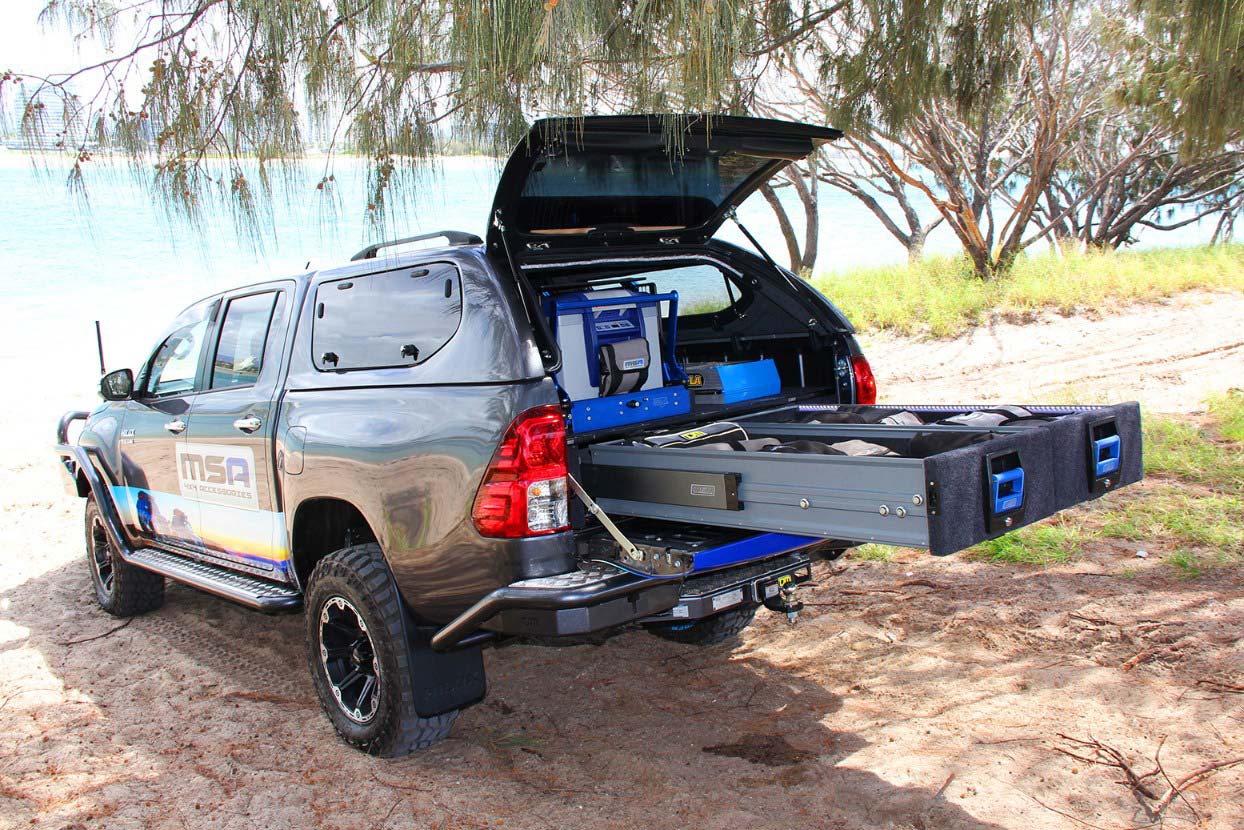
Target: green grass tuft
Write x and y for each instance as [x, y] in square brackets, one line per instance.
[1198, 453]
[1197, 511]
[1187, 564]
[872, 553]
[940, 296]
[1045, 544]
[1227, 413]
[1175, 517]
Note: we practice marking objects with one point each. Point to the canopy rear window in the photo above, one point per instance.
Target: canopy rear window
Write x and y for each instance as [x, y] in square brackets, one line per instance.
[386, 320]
[576, 190]
[635, 179]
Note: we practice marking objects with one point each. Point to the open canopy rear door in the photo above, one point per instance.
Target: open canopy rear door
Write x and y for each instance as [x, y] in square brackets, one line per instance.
[637, 179]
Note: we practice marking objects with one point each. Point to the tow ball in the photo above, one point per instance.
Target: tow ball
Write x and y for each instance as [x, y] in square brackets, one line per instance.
[783, 601]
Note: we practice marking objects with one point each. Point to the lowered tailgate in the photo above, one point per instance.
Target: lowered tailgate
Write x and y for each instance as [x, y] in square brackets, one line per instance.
[1005, 478]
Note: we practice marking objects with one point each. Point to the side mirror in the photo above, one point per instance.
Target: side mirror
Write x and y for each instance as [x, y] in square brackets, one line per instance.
[117, 386]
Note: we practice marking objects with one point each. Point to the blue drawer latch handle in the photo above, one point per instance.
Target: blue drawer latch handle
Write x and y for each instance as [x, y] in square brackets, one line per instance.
[1008, 490]
[1106, 453]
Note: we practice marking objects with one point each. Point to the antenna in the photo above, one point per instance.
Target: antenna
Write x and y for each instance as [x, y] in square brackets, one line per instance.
[99, 343]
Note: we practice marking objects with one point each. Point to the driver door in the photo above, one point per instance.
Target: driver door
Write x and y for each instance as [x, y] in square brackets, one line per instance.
[154, 427]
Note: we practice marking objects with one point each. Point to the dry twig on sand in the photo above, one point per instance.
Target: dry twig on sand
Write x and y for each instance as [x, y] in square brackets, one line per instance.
[112, 630]
[1142, 784]
[1219, 686]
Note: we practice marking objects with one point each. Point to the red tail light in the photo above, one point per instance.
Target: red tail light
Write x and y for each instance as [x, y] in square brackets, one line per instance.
[865, 383]
[523, 492]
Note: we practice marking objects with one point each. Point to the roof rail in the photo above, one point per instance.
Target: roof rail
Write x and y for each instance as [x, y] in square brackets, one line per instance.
[454, 237]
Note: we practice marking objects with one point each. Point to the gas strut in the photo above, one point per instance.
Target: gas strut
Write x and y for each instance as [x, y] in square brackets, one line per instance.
[628, 547]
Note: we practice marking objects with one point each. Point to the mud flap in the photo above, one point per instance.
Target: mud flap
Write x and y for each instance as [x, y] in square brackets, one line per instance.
[443, 680]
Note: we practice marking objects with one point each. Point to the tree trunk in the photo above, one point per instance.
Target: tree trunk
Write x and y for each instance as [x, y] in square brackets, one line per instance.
[806, 187]
[784, 223]
[915, 246]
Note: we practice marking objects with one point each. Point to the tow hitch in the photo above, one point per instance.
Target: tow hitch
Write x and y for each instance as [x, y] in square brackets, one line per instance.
[779, 597]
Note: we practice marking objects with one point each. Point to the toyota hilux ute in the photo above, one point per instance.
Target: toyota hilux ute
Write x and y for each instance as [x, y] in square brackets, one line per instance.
[598, 416]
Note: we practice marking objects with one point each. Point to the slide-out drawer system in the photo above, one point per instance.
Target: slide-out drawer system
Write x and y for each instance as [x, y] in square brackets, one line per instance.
[1009, 476]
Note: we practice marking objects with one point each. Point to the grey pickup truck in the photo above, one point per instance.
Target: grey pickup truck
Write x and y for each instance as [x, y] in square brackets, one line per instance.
[598, 416]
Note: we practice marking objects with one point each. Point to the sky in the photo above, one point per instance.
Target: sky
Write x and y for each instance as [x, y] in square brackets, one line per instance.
[25, 46]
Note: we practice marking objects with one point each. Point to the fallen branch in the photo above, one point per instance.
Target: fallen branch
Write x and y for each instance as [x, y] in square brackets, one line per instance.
[1135, 660]
[1099, 754]
[112, 630]
[1108, 756]
[1062, 813]
[1192, 779]
[924, 583]
[1219, 686]
[267, 697]
[1098, 621]
[21, 692]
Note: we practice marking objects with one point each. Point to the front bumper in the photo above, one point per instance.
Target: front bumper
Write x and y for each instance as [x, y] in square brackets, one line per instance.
[582, 602]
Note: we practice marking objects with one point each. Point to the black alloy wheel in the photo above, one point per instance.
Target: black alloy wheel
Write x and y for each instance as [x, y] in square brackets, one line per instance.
[361, 661]
[349, 660]
[121, 589]
[101, 556]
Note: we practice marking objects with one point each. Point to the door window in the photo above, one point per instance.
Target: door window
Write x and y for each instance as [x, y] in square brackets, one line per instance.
[243, 340]
[176, 362]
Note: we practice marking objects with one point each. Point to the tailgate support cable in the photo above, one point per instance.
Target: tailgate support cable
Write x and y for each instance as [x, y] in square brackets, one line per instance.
[628, 547]
[733, 214]
[782, 272]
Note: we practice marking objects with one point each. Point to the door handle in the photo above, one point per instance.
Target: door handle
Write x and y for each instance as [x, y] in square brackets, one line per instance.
[248, 424]
[176, 426]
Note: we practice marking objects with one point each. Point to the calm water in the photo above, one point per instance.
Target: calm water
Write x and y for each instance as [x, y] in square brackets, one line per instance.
[121, 262]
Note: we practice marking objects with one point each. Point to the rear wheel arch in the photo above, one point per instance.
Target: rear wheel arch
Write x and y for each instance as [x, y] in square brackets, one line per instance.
[324, 525]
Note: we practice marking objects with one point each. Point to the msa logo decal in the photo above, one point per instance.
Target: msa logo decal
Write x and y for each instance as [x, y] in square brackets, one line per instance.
[218, 474]
[709, 490]
[614, 325]
[634, 363]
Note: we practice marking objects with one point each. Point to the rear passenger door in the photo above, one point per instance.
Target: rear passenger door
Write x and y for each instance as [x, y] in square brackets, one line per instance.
[226, 460]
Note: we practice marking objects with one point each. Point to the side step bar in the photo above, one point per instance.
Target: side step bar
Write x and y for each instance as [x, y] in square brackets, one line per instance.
[245, 590]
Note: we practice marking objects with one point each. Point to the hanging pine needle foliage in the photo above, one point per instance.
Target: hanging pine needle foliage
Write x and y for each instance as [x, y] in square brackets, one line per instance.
[215, 96]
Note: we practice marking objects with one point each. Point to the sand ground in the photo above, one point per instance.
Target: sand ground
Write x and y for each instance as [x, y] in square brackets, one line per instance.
[925, 694]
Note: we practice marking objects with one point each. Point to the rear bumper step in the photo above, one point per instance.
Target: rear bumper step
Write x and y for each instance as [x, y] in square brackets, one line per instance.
[704, 596]
[587, 601]
[567, 604]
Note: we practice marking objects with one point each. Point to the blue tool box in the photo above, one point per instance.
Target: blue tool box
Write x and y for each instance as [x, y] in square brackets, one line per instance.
[734, 382]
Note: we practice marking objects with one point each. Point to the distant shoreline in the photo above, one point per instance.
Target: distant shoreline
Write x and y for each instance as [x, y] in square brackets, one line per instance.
[10, 158]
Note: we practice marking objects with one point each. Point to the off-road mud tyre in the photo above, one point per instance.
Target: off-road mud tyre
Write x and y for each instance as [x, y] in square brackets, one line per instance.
[709, 631]
[356, 581]
[121, 589]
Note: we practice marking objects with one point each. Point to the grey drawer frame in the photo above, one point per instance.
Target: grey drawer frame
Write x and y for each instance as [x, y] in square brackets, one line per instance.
[839, 497]
[936, 502]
